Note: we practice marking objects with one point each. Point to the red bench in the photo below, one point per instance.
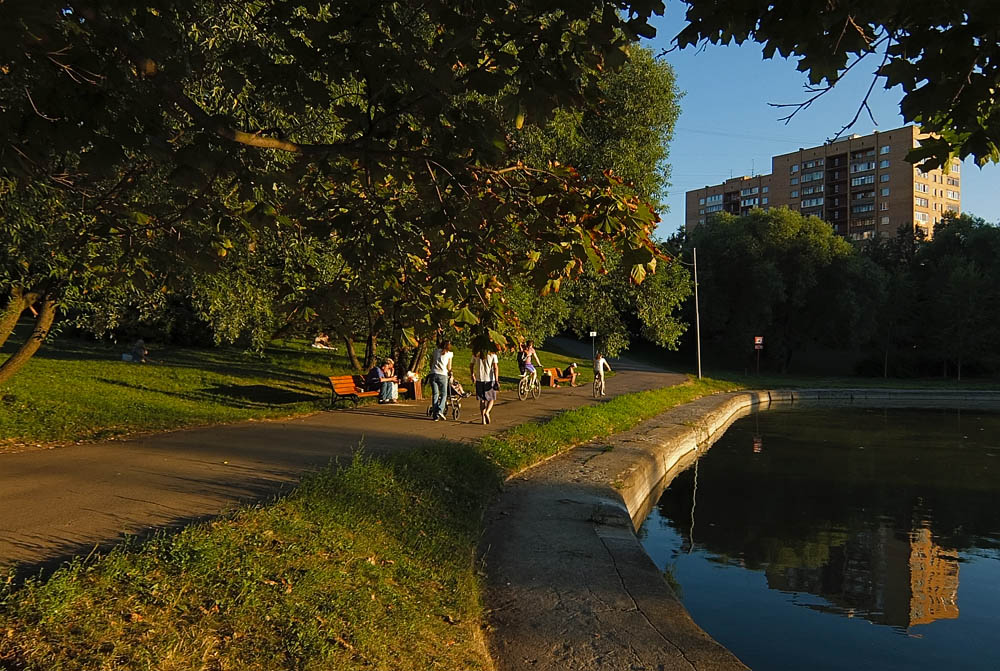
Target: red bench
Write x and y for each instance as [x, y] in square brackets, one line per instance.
[352, 387]
[551, 377]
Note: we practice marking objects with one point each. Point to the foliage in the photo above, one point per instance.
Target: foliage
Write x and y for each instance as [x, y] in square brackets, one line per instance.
[382, 130]
[944, 55]
[785, 277]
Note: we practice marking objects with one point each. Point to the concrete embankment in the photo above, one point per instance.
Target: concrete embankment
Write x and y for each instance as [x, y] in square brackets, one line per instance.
[569, 586]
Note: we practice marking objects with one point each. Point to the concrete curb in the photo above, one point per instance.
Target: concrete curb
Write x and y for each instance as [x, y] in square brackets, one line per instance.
[568, 584]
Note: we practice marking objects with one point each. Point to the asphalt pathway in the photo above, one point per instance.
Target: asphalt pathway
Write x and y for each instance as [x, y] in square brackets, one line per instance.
[55, 504]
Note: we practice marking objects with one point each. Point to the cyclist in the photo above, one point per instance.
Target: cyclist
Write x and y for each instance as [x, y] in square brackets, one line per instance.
[524, 359]
[600, 365]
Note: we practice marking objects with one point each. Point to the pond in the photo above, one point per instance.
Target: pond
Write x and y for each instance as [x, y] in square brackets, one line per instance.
[842, 538]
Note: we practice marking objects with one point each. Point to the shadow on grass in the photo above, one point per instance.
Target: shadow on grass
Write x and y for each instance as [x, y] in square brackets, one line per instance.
[241, 396]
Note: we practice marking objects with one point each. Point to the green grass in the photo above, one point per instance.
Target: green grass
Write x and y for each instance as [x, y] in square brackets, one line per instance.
[365, 566]
[81, 391]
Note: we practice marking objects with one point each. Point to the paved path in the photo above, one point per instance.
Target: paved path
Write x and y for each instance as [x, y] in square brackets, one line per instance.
[61, 502]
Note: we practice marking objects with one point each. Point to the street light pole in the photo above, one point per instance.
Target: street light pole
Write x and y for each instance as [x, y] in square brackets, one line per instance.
[697, 316]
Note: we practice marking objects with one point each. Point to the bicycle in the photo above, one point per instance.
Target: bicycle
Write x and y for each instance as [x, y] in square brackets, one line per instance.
[529, 384]
[598, 386]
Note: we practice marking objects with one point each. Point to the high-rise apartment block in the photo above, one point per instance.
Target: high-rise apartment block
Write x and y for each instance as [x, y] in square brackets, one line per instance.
[860, 184]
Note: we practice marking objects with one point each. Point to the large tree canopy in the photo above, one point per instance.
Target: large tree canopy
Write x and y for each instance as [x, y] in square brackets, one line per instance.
[211, 130]
[944, 54]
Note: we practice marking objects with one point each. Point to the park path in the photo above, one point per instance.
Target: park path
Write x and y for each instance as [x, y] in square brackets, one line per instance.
[58, 503]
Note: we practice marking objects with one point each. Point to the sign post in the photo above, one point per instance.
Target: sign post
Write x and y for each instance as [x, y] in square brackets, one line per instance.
[593, 347]
[758, 345]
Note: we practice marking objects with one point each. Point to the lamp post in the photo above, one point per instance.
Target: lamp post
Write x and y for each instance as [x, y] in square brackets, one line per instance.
[593, 347]
[697, 316]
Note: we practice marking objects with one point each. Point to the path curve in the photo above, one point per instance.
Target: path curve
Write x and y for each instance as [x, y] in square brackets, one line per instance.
[58, 503]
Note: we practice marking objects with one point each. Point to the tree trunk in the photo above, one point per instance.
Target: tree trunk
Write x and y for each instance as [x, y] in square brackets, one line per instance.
[371, 342]
[417, 360]
[43, 324]
[352, 356]
[11, 314]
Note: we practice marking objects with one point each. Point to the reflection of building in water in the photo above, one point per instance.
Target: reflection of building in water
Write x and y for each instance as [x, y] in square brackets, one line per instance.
[880, 577]
[933, 580]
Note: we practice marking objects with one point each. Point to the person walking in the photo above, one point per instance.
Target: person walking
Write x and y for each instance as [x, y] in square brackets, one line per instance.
[440, 372]
[600, 365]
[485, 370]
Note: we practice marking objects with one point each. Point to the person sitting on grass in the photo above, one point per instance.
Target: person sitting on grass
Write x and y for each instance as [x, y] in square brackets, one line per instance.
[571, 373]
[381, 379]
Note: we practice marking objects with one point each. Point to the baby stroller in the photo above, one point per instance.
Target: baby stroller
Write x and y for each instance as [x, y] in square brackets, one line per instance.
[453, 406]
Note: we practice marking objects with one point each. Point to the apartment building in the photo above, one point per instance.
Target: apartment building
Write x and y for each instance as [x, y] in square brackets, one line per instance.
[859, 184]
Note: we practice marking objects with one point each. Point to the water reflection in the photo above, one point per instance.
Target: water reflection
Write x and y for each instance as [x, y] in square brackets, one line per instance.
[880, 577]
[865, 514]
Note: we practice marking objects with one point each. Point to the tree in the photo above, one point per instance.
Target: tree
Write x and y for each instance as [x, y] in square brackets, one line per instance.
[382, 128]
[784, 276]
[958, 275]
[627, 128]
[944, 55]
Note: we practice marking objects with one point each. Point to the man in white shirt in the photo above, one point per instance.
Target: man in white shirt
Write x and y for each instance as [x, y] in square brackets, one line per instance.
[485, 370]
[440, 372]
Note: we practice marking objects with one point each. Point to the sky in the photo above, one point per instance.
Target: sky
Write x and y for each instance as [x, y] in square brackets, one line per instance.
[727, 128]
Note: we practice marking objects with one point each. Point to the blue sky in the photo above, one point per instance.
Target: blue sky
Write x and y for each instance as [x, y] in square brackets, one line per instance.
[727, 128]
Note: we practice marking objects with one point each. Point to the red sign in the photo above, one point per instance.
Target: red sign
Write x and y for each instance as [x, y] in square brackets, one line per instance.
[758, 342]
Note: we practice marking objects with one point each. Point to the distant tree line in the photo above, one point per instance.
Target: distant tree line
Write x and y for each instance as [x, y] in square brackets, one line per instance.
[905, 305]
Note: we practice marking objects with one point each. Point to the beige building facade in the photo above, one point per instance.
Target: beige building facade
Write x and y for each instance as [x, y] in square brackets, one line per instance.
[860, 185]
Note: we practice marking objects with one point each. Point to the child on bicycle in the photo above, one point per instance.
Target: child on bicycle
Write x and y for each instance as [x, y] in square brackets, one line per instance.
[600, 365]
[525, 356]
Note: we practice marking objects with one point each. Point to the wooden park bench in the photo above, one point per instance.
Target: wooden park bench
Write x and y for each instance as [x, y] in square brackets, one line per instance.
[352, 387]
[551, 377]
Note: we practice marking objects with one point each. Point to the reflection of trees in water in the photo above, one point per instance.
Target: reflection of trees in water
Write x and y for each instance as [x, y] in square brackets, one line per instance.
[874, 531]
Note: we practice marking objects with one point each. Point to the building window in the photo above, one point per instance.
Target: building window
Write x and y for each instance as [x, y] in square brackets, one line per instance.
[764, 189]
[922, 188]
[956, 167]
[701, 201]
[701, 211]
[794, 181]
[952, 181]
[713, 208]
[952, 195]
[921, 202]
[951, 207]
[883, 205]
[812, 176]
[858, 209]
[795, 168]
[763, 201]
[884, 149]
[717, 198]
[885, 221]
[867, 179]
[863, 167]
[883, 178]
[884, 163]
[921, 216]
[701, 221]
[884, 191]
[812, 202]
[795, 193]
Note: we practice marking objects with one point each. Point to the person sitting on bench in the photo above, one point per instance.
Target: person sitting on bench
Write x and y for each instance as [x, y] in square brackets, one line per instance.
[382, 380]
[571, 373]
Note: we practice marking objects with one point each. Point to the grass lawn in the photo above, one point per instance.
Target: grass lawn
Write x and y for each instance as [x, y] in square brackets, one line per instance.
[74, 390]
[365, 566]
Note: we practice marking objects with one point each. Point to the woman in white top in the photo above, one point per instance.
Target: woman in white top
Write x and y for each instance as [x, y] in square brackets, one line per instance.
[440, 372]
[485, 370]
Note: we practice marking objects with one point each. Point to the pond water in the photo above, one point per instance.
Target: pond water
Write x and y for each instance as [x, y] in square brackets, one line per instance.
[842, 538]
